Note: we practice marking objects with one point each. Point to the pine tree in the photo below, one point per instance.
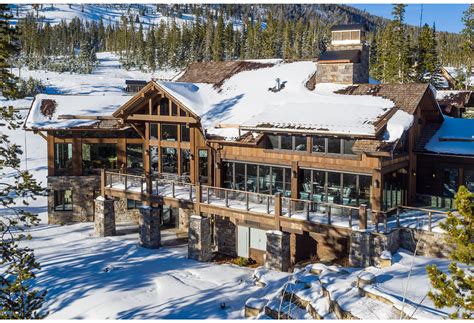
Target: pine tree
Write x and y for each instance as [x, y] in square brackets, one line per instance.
[208, 40]
[457, 289]
[86, 57]
[427, 58]
[400, 46]
[18, 300]
[151, 49]
[468, 42]
[218, 43]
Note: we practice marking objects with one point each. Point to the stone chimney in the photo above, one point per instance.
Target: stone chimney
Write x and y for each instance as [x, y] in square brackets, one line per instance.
[347, 59]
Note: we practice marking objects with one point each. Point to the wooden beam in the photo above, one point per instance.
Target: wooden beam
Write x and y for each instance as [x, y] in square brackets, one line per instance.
[85, 117]
[41, 134]
[138, 131]
[157, 118]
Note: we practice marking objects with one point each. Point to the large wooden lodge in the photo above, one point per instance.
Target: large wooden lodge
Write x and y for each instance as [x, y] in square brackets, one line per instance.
[305, 156]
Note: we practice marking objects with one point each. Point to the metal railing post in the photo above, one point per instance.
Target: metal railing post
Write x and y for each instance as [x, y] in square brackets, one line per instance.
[329, 214]
[429, 221]
[350, 218]
[190, 192]
[125, 182]
[208, 197]
[247, 201]
[141, 185]
[398, 216]
[173, 189]
[290, 201]
[268, 204]
[226, 197]
[307, 210]
[385, 224]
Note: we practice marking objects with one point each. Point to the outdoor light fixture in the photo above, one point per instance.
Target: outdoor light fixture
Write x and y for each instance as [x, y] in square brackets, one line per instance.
[376, 183]
[434, 174]
[413, 172]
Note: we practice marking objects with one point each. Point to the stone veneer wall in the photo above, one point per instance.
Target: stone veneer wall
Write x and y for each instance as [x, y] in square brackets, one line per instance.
[123, 214]
[226, 236]
[83, 188]
[366, 247]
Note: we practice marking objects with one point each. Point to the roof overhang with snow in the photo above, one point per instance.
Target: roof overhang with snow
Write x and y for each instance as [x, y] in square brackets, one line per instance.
[454, 137]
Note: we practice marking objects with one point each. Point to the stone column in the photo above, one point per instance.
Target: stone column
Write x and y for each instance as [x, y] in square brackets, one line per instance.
[149, 227]
[104, 222]
[359, 253]
[199, 242]
[278, 251]
[184, 215]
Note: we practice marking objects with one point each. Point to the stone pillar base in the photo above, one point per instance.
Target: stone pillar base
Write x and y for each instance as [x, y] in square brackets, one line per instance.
[149, 227]
[278, 251]
[104, 221]
[199, 242]
[184, 215]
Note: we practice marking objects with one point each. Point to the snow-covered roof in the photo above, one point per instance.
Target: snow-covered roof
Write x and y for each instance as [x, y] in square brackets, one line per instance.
[244, 99]
[77, 105]
[455, 136]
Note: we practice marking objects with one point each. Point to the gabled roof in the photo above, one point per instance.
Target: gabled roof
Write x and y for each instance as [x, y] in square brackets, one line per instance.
[71, 105]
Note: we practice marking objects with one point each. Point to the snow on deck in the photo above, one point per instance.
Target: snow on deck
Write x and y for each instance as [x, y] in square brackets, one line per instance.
[245, 99]
[455, 136]
[80, 105]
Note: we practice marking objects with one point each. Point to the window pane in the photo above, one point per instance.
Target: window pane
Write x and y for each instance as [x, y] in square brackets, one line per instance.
[273, 141]
[277, 180]
[240, 176]
[264, 180]
[228, 174]
[174, 109]
[182, 113]
[300, 143]
[184, 133]
[62, 158]
[132, 204]
[318, 144]
[319, 178]
[169, 160]
[98, 156]
[134, 158]
[164, 107]
[185, 162]
[154, 131]
[469, 180]
[305, 179]
[349, 191]
[364, 189]
[169, 132]
[251, 177]
[450, 182]
[334, 188]
[63, 200]
[203, 166]
[334, 146]
[154, 159]
[287, 182]
[286, 142]
[348, 143]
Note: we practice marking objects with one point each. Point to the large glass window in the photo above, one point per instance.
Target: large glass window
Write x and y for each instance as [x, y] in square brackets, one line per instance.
[286, 142]
[169, 160]
[154, 159]
[174, 109]
[334, 187]
[319, 180]
[349, 190]
[98, 156]
[185, 162]
[364, 189]
[348, 144]
[203, 166]
[62, 158]
[164, 107]
[169, 132]
[240, 177]
[252, 177]
[264, 179]
[63, 200]
[319, 144]
[450, 181]
[300, 143]
[274, 141]
[334, 146]
[305, 179]
[154, 131]
[134, 158]
[132, 204]
[184, 133]
[469, 180]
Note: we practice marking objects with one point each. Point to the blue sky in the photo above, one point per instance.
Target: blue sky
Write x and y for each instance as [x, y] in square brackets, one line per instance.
[446, 16]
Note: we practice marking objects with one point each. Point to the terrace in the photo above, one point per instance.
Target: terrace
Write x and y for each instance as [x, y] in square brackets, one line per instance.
[222, 200]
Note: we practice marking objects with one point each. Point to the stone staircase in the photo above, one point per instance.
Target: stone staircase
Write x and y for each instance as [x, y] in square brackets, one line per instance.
[323, 292]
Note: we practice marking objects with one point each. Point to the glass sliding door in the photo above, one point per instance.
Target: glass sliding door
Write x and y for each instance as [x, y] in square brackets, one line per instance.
[203, 163]
[264, 179]
[252, 177]
[185, 162]
[240, 181]
[169, 160]
[319, 181]
[334, 188]
[349, 190]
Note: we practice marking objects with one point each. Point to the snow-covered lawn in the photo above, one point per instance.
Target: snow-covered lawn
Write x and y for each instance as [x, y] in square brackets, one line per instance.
[113, 278]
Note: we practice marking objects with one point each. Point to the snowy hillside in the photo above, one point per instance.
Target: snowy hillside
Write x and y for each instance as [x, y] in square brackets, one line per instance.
[110, 13]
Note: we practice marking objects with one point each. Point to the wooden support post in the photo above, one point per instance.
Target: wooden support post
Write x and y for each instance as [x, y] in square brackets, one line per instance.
[102, 182]
[329, 214]
[149, 185]
[141, 185]
[289, 207]
[198, 199]
[363, 217]
[429, 221]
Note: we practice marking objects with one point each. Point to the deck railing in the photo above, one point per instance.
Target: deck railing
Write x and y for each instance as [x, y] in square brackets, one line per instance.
[320, 212]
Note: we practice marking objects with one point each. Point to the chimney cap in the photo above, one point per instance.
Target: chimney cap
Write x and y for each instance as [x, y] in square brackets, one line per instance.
[349, 27]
